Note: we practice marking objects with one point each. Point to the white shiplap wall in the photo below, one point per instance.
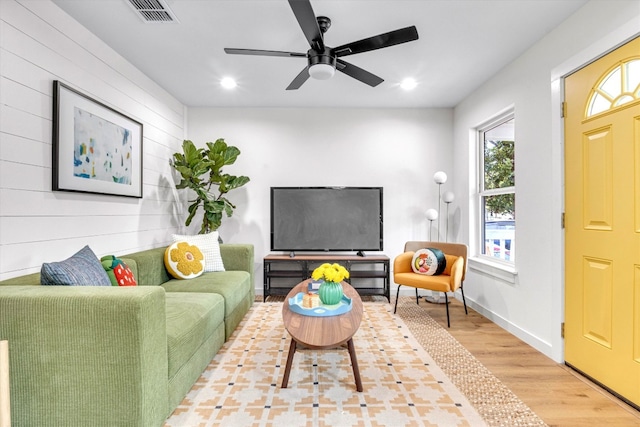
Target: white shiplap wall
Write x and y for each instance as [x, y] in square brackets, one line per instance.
[39, 43]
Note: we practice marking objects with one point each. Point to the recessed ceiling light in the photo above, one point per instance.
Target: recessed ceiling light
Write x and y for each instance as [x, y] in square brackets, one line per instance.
[228, 83]
[408, 84]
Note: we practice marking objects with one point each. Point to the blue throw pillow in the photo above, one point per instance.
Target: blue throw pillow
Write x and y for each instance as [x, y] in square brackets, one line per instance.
[81, 269]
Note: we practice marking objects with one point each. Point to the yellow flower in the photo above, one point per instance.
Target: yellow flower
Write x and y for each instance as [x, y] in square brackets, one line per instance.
[188, 258]
[330, 273]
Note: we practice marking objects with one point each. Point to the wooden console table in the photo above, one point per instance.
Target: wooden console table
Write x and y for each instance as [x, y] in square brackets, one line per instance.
[368, 274]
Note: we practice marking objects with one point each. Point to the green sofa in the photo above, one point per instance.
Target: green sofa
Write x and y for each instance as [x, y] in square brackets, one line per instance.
[118, 356]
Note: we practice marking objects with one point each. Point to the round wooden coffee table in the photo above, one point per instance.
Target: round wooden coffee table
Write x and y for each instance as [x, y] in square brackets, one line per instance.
[319, 333]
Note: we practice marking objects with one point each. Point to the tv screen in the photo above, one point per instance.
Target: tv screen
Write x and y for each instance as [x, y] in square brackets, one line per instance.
[326, 219]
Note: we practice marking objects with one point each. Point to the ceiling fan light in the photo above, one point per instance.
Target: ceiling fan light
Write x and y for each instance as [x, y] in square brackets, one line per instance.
[321, 71]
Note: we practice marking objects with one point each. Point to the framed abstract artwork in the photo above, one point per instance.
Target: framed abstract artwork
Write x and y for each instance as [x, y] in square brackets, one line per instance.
[96, 149]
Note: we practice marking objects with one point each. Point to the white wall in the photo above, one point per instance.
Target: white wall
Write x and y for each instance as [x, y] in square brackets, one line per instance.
[532, 307]
[397, 149]
[39, 43]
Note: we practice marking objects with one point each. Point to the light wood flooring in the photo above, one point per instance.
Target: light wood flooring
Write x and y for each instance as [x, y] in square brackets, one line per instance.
[556, 393]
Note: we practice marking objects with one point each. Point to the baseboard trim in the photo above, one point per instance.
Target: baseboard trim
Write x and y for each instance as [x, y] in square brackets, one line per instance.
[535, 342]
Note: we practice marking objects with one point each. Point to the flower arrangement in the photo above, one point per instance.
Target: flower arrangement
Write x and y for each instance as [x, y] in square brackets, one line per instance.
[330, 273]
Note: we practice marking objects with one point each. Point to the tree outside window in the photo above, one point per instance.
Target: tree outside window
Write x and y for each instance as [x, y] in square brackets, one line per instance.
[497, 189]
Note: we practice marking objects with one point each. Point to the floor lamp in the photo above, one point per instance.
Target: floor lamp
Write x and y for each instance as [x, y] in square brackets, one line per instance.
[440, 178]
[431, 215]
[447, 197]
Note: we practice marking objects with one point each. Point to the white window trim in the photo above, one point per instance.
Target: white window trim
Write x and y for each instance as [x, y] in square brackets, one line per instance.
[494, 267]
[501, 270]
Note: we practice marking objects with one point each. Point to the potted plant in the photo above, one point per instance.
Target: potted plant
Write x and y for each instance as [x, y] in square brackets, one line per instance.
[201, 171]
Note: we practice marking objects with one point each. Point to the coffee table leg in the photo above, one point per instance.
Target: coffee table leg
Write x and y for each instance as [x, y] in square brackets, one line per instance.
[287, 368]
[354, 363]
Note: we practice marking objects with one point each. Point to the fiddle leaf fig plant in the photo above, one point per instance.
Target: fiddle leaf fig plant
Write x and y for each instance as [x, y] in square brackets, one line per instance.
[201, 171]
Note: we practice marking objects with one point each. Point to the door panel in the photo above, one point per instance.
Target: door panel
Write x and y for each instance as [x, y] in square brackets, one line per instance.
[598, 184]
[602, 234]
[636, 310]
[598, 287]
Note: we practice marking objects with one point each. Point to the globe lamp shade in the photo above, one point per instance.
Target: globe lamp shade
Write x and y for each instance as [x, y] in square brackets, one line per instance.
[440, 177]
[431, 214]
[448, 197]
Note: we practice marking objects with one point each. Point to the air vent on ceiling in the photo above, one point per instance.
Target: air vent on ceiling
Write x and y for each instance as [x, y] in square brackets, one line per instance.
[153, 11]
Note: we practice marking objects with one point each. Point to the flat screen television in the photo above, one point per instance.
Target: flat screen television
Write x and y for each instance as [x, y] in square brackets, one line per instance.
[326, 219]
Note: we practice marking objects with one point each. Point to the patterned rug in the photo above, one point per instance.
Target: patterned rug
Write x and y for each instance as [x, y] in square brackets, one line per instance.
[403, 385]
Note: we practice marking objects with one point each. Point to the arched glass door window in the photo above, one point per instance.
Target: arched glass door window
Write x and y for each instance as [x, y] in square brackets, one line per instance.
[617, 87]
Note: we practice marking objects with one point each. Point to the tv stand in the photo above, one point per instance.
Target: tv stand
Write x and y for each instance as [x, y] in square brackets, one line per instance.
[369, 275]
[360, 253]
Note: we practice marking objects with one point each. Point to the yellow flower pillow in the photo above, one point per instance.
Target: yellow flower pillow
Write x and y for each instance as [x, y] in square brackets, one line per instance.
[184, 261]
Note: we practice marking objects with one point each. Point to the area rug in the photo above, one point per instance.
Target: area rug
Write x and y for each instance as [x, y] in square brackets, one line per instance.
[497, 405]
[403, 386]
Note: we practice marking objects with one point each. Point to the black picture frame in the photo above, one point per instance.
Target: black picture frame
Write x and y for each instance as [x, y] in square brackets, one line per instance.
[96, 149]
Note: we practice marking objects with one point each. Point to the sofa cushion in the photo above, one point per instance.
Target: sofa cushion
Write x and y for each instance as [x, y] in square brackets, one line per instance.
[191, 319]
[81, 269]
[232, 285]
[148, 266]
[32, 279]
[210, 247]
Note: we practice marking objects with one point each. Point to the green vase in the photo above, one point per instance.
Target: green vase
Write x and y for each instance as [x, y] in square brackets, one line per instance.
[330, 293]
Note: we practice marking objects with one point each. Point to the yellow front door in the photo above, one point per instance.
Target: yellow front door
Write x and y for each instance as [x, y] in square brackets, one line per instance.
[602, 203]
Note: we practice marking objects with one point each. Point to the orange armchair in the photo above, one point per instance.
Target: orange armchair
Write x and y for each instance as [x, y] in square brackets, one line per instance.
[450, 280]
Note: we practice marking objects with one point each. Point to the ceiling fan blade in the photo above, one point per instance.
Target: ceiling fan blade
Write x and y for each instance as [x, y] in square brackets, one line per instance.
[299, 80]
[380, 41]
[259, 52]
[307, 19]
[358, 73]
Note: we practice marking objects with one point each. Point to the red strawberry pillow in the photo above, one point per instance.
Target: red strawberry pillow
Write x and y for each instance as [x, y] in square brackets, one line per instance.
[119, 273]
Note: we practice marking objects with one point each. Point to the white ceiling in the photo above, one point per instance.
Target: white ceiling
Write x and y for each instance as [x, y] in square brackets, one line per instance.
[462, 43]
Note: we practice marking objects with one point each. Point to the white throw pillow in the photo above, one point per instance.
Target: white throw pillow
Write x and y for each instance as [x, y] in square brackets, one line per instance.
[210, 247]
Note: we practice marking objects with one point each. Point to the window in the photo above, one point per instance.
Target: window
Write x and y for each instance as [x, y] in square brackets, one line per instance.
[497, 191]
[618, 87]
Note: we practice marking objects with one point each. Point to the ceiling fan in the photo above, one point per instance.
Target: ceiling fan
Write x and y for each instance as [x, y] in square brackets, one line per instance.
[322, 60]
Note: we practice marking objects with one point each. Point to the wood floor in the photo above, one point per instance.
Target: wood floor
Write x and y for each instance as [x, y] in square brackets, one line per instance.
[557, 394]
